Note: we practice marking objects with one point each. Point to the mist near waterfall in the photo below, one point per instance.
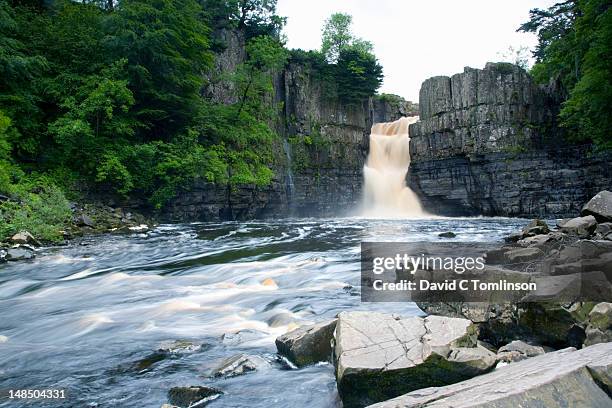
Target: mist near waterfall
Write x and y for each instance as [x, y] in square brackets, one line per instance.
[385, 192]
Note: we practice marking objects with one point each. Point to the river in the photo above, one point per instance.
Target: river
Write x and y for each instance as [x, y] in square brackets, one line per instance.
[87, 317]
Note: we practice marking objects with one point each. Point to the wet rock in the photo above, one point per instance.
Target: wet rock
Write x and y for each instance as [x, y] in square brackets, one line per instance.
[448, 234]
[580, 226]
[281, 319]
[20, 253]
[146, 363]
[83, 220]
[308, 344]
[185, 397]
[514, 237]
[238, 365]
[179, 346]
[535, 227]
[565, 378]
[518, 350]
[241, 336]
[378, 356]
[24, 237]
[599, 206]
[599, 324]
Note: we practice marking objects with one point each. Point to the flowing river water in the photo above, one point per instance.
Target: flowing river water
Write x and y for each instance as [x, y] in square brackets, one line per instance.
[88, 317]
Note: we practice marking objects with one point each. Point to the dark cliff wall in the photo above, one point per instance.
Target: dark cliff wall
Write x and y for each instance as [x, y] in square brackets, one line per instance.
[319, 155]
[487, 143]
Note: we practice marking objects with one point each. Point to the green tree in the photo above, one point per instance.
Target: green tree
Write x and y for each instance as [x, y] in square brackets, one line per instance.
[359, 74]
[18, 71]
[166, 45]
[253, 78]
[575, 48]
[336, 35]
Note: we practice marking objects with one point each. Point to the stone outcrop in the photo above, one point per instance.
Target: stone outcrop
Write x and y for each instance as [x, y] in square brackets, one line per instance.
[565, 378]
[308, 344]
[378, 356]
[487, 143]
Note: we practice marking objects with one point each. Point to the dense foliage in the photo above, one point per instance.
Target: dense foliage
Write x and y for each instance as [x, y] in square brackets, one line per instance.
[575, 48]
[106, 96]
[345, 63]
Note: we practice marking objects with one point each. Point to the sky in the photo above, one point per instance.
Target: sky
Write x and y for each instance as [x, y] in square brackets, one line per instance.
[415, 40]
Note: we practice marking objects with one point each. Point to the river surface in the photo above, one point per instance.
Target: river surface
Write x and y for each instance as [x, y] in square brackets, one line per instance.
[89, 316]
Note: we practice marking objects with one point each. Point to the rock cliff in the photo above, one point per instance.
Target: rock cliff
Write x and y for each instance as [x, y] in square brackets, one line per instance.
[319, 155]
[487, 143]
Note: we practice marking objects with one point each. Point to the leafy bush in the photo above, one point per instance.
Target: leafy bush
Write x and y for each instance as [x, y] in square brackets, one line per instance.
[37, 207]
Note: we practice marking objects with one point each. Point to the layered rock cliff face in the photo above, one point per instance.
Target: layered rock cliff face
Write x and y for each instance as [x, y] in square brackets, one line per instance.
[487, 143]
[319, 155]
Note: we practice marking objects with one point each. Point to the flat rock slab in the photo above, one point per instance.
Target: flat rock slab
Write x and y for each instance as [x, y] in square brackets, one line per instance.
[378, 355]
[565, 378]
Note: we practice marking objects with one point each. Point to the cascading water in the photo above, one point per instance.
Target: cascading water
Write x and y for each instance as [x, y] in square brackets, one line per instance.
[385, 190]
[289, 182]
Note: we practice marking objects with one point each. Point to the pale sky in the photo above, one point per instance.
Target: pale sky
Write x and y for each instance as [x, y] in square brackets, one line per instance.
[415, 40]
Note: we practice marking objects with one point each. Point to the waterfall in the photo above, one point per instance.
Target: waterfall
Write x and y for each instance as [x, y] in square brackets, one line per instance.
[289, 182]
[385, 190]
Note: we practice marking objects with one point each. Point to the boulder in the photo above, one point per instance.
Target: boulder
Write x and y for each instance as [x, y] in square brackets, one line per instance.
[535, 227]
[518, 350]
[238, 365]
[184, 397]
[514, 237]
[604, 231]
[599, 206]
[24, 237]
[379, 356]
[599, 324]
[513, 255]
[84, 220]
[580, 226]
[308, 344]
[20, 253]
[544, 242]
[565, 378]
[448, 234]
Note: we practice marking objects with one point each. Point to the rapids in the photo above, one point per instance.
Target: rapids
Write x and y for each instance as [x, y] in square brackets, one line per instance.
[88, 317]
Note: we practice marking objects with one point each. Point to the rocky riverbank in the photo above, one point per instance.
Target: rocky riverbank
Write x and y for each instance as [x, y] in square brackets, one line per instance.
[458, 353]
[86, 220]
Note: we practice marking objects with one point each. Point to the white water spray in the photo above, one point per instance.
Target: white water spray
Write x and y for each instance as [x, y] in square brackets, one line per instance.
[385, 192]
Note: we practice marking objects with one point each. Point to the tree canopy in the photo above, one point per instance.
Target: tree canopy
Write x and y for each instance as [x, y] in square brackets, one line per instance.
[575, 49]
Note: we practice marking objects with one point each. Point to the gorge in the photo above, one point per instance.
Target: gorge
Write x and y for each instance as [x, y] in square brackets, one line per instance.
[487, 142]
